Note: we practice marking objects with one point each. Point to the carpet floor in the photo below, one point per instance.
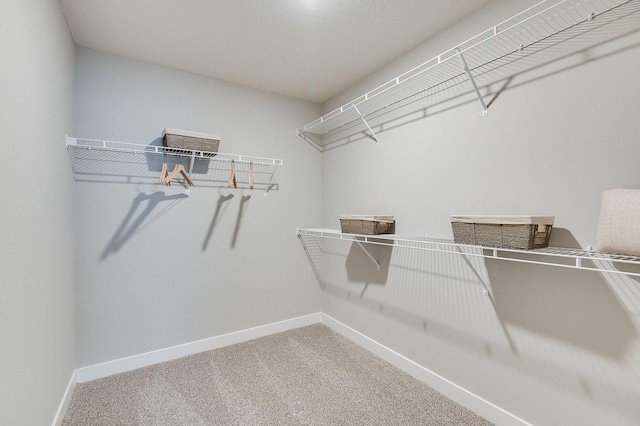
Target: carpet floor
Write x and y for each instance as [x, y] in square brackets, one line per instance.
[307, 376]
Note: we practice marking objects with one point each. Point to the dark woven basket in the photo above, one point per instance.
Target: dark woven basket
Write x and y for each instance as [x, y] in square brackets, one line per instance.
[191, 141]
[521, 236]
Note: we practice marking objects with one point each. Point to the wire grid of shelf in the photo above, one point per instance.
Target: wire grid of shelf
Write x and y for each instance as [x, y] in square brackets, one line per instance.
[111, 159]
[515, 35]
[590, 260]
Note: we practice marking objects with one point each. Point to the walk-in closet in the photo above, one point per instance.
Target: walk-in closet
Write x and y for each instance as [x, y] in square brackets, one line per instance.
[320, 212]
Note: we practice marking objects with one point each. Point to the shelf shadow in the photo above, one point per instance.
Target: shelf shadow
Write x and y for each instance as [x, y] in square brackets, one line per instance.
[133, 222]
[361, 268]
[573, 306]
[221, 205]
[243, 205]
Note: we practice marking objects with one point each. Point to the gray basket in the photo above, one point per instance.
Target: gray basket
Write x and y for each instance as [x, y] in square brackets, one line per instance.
[193, 141]
[367, 225]
[512, 232]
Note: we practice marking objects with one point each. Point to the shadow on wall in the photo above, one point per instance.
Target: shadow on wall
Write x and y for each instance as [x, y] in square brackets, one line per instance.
[139, 216]
[403, 286]
[412, 291]
[221, 207]
[436, 294]
[243, 205]
[576, 307]
[377, 256]
[584, 309]
[147, 208]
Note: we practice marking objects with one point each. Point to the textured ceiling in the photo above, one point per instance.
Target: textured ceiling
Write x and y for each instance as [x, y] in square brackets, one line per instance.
[308, 49]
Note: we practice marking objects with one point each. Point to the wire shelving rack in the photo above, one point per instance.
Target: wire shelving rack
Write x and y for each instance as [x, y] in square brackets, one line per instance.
[582, 259]
[516, 35]
[112, 160]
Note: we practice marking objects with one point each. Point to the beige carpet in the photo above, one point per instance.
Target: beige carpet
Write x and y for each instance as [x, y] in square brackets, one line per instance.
[307, 376]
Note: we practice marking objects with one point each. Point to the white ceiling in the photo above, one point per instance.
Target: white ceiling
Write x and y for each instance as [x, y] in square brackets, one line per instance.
[308, 49]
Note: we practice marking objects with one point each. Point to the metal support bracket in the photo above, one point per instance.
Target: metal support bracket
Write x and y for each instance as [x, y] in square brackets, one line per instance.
[314, 268]
[486, 291]
[269, 184]
[473, 82]
[373, 135]
[368, 254]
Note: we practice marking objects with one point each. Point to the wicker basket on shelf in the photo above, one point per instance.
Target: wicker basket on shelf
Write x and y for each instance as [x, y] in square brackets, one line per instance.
[367, 225]
[193, 141]
[513, 232]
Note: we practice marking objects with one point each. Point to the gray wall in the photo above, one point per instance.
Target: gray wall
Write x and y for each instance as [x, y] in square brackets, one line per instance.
[37, 266]
[556, 346]
[156, 269]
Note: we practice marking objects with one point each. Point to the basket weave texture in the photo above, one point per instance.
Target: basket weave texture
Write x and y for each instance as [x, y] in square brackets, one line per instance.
[520, 236]
[367, 225]
[193, 141]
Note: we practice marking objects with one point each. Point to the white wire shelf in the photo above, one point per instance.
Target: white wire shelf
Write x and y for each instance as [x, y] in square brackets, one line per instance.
[96, 144]
[103, 160]
[480, 54]
[590, 260]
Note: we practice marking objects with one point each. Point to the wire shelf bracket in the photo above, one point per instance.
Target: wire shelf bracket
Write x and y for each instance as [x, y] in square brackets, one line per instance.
[368, 254]
[364, 120]
[486, 291]
[473, 82]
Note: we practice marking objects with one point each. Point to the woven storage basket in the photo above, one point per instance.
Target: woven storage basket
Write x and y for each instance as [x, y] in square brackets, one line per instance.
[194, 141]
[367, 225]
[619, 222]
[513, 232]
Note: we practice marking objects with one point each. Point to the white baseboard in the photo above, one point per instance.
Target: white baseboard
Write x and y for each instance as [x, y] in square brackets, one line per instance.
[458, 394]
[121, 365]
[449, 389]
[66, 399]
